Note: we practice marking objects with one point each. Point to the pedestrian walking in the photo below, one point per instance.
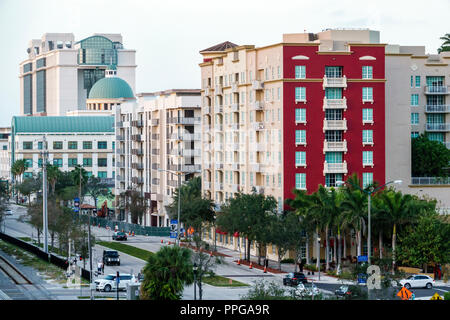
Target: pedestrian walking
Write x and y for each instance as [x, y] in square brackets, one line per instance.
[103, 268]
[99, 267]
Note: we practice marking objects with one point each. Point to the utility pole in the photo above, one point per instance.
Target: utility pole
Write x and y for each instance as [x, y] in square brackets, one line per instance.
[44, 191]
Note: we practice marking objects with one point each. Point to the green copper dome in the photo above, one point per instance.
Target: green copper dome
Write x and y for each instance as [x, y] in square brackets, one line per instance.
[111, 88]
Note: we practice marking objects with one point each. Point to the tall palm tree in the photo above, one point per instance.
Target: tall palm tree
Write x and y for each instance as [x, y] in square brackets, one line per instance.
[17, 169]
[380, 219]
[400, 210]
[52, 176]
[79, 177]
[446, 45]
[354, 208]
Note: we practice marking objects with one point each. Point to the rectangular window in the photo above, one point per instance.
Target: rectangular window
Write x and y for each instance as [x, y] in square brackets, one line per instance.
[367, 158]
[27, 145]
[332, 178]
[28, 163]
[367, 94]
[367, 136]
[417, 81]
[300, 72]
[72, 162]
[412, 81]
[333, 157]
[102, 174]
[367, 115]
[300, 136]
[87, 144]
[300, 181]
[333, 72]
[367, 72]
[40, 145]
[414, 134]
[300, 115]
[300, 158]
[414, 118]
[367, 179]
[102, 145]
[57, 145]
[41, 91]
[102, 162]
[87, 162]
[300, 94]
[333, 93]
[436, 136]
[73, 145]
[58, 162]
[415, 100]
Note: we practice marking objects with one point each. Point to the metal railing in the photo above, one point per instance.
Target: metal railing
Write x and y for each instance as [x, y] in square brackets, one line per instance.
[335, 82]
[437, 127]
[436, 90]
[441, 108]
[335, 103]
[430, 180]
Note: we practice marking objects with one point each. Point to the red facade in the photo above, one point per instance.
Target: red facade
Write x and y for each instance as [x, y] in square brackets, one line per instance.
[315, 115]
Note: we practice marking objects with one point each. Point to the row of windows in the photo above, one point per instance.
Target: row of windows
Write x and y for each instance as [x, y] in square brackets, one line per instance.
[300, 115]
[73, 145]
[332, 157]
[333, 72]
[436, 118]
[332, 93]
[300, 180]
[71, 162]
[100, 174]
[300, 136]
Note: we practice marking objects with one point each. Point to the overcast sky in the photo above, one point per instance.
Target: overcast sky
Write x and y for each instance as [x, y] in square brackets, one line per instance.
[169, 34]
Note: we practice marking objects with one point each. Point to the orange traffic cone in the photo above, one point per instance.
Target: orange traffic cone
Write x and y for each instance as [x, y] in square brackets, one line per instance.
[211, 254]
[251, 265]
[169, 242]
[132, 234]
[162, 241]
[239, 262]
[265, 270]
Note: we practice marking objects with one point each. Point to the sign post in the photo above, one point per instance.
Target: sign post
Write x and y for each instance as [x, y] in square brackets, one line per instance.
[117, 284]
[173, 229]
[76, 204]
[404, 294]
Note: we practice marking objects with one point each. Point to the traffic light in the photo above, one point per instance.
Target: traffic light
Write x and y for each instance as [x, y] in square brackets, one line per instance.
[81, 258]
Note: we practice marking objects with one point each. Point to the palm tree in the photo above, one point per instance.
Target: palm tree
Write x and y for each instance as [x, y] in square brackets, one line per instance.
[400, 210]
[52, 176]
[79, 177]
[354, 209]
[17, 169]
[446, 45]
[380, 219]
[340, 224]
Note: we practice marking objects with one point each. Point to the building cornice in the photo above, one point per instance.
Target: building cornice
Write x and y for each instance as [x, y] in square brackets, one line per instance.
[334, 52]
[436, 64]
[399, 54]
[367, 44]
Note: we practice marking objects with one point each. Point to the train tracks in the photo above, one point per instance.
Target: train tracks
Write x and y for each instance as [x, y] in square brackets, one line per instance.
[13, 273]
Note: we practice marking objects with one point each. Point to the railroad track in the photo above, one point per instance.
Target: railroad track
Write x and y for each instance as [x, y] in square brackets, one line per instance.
[12, 272]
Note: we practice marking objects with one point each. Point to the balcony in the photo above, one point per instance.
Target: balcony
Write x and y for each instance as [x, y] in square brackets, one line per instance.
[218, 108]
[207, 185]
[256, 167]
[445, 127]
[155, 136]
[235, 188]
[184, 120]
[138, 152]
[258, 126]
[235, 147]
[334, 146]
[185, 167]
[137, 180]
[218, 127]
[335, 167]
[155, 166]
[257, 85]
[440, 108]
[430, 181]
[219, 186]
[207, 91]
[235, 126]
[155, 122]
[334, 82]
[218, 166]
[120, 151]
[206, 109]
[120, 178]
[334, 124]
[258, 147]
[257, 105]
[137, 166]
[155, 152]
[436, 90]
[235, 107]
[155, 181]
[219, 89]
[119, 124]
[136, 137]
[218, 146]
[207, 165]
[120, 138]
[172, 183]
[335, 103]
[137, 123]
[120, 165]
[191, 152]
[258, 189]
[234, 87]
[236, 166]
[185, 136]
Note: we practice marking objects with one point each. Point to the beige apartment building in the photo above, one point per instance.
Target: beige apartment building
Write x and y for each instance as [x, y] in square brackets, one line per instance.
[5, 165]
[418, 101]
[158, 138]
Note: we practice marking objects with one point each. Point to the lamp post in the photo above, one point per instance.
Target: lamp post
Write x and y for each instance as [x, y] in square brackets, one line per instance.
[318, 255]
[179, 201]
[195, 268]
[369, 195]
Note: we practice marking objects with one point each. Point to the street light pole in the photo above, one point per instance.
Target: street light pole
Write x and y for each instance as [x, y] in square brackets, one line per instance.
[44, 192]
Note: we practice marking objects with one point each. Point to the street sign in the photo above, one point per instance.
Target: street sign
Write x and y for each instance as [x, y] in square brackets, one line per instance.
[362, 278]
[362, 259]
[173, 228]
[76, 204]
[436, 296]
[404, 293]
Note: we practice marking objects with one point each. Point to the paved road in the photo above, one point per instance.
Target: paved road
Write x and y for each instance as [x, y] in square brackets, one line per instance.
[130, 264]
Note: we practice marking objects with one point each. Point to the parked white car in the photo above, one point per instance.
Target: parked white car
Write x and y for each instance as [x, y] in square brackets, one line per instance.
[417, 281]
[307, 289]
[109, 283]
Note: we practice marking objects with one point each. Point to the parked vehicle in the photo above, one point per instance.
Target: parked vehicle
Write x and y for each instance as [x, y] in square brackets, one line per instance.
[119, 236]
[294, 278]
[351, 292]
[111, 257]
[8, 212]
[109, 282]
[307, 289]
[417, 281]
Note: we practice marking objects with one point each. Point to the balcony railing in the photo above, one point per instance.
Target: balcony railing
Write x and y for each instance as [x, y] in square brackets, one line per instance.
[236, 166]
[137, 180]
[335, 103]
[219, 89]
[219, 186]
[436, 90]
[155, 181]
[440, 108]
[119, 124]
[430, 180]
[207, 91]
[257, 105]
[136, 137]
[155, 136]
[218, 166]
[184, 120]
[334, 124]
[256, 167]
[438, 127]
[186, 136]
[218, 127]
[120, 138]
[137, 166]
[234, 107]
[206, 109]
[334, 82]
[234, 87]
[218, 108]
[137, 123]
[138, 152]
[155, 122]
[259, 189]
[155, 152]
[335, 167]
[257, 126]
[206, 185]
[257, 85]
[334, 146]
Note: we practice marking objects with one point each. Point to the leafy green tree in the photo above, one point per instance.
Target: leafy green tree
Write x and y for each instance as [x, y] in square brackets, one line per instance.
[133, 202]
[446, 44]
[248, 215]
[354, 208]
[166, 273]
[96, 188]
[29, 186]
[429, 158]
[426, 242]
[80, 178]
[263, 290]
[53, 174]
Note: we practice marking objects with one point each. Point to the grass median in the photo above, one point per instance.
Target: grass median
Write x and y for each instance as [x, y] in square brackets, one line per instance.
[130, 250]
[219, 281]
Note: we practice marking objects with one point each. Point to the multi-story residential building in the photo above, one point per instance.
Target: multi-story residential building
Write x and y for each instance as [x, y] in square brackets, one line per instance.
[5, 166]
[59, 72]
[88, 141]
[418, 100]
[158, 138]
[307, 111]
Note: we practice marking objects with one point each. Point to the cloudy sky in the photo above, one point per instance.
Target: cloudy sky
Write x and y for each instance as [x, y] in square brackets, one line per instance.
[168, 35]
